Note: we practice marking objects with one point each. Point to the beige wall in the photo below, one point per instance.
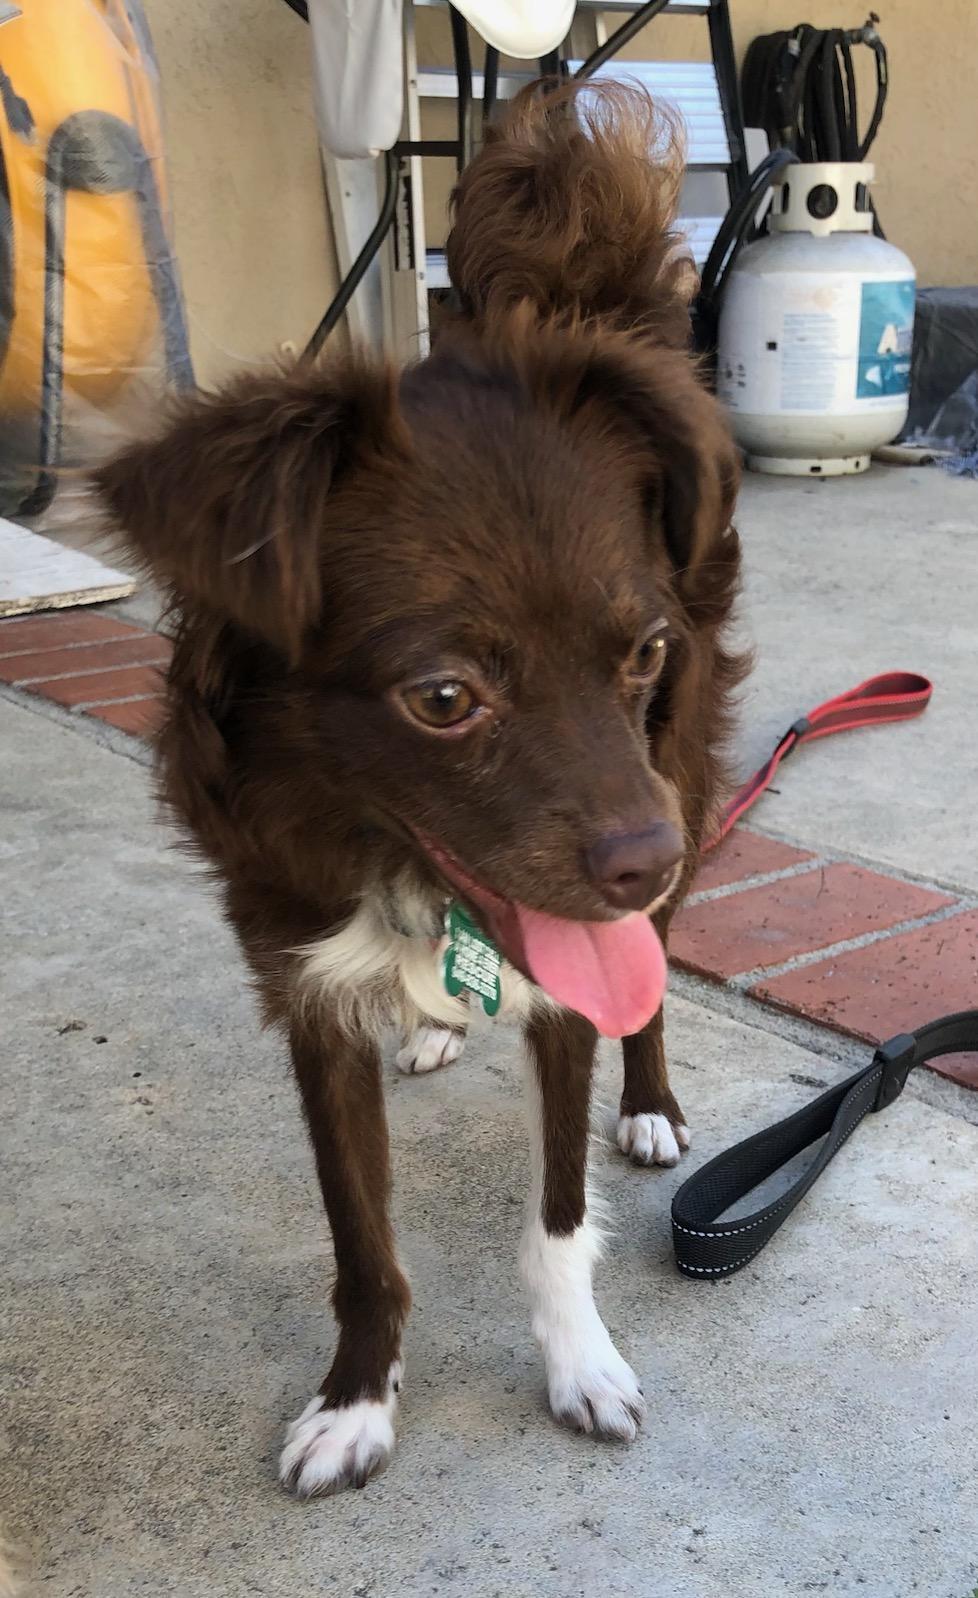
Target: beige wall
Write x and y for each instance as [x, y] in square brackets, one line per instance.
[251, 232]
[926, 153]
[253, 244]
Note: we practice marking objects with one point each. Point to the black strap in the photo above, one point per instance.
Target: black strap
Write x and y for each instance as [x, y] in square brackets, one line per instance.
[707, 1249]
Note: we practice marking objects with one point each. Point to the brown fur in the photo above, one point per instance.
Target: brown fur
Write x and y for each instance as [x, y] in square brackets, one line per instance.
[519, 506]
[563, 210]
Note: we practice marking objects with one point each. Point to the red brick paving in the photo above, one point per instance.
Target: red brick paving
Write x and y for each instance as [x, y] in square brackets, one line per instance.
[98, 687]
[763, 926]
[891, 986]
[42, 664]
[78, 658]
[745, 854]
[20, 633]
[140, 717]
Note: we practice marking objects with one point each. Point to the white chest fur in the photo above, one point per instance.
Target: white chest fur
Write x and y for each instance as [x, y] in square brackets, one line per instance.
[384, 967]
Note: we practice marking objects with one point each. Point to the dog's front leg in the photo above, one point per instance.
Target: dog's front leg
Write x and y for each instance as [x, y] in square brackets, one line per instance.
[590, 1385]
[347, 1431]
[652, 1128]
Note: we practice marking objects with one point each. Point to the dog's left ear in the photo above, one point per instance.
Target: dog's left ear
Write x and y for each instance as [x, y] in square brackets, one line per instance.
[227, 508]
[694, 488]
[678, 436]
[693, 471]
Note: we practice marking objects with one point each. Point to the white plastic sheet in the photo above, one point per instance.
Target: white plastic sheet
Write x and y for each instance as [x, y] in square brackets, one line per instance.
[359, 84]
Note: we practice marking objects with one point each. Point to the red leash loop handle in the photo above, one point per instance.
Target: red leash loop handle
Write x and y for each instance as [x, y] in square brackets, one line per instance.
[894, 696]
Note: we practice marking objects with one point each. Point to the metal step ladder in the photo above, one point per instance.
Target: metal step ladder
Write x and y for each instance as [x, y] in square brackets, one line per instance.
[394, 305]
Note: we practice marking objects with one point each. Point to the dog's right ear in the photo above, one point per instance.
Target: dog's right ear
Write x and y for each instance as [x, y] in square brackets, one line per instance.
[227, 507]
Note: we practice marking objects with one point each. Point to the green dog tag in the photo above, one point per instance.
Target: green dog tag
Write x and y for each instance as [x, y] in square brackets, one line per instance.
[471, 962]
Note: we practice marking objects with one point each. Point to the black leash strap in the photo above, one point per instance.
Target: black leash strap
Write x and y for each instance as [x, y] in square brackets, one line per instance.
[707, 1249]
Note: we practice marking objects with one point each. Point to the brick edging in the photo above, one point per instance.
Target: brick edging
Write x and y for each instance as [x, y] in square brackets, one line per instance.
[90, 663]
[863, 952]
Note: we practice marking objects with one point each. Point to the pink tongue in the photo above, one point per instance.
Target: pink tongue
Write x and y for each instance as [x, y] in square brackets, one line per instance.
[613, 972]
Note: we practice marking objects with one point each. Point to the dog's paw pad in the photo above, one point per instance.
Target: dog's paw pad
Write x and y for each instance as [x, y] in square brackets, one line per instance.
[428, 1048]
[652, 1139]
[329, 1449]
[600, 1396]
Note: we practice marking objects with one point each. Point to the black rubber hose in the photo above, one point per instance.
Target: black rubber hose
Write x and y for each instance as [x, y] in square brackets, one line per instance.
[852, 136]
[799, 99]
[882, 89]
[736, 225]
[831, 117]
[761, 86]
[801, 88]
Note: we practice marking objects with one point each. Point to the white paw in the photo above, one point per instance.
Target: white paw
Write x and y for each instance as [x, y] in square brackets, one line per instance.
[652, 1139]
[329, 1449]
[592, 1388]
[428, 1048]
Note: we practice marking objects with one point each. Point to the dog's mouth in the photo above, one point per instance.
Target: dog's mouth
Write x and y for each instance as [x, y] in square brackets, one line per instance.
[612, 972]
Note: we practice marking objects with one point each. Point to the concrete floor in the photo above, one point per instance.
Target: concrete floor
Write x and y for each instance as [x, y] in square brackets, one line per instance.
[811, 1421]
[846, 579]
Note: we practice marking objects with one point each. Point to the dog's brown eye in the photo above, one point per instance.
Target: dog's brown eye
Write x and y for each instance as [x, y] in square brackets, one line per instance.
[446, 703]
[648, 658]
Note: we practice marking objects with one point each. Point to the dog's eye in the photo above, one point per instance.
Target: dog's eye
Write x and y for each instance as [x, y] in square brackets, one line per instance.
[446, 703]
[648, 657]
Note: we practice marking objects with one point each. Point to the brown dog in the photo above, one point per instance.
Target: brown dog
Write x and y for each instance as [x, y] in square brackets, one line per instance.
[455, 635]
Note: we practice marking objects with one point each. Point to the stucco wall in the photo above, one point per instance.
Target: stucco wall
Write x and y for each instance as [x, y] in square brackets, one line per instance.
[252, 237]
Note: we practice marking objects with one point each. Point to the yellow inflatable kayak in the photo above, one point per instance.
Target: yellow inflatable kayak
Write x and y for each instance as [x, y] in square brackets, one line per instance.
[88, 290]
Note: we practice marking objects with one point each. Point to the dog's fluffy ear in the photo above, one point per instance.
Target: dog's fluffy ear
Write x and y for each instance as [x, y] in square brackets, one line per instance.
[693, 483]
[226, 508]
[685, 450]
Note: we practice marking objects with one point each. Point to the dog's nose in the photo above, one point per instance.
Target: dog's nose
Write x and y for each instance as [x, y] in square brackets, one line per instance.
[631, 869]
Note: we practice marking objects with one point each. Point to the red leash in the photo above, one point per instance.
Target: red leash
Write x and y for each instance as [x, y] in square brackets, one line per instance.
[895, 696]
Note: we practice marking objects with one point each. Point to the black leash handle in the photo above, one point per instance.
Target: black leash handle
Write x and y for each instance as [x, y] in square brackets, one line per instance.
[707, 1249]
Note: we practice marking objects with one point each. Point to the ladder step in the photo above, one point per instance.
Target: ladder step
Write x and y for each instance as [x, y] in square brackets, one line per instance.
[690, 86]
[676, 8]
[698, 231]
[437, 270]
[440, 83]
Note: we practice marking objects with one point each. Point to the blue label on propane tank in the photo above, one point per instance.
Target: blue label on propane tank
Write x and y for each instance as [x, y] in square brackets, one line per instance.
[885, 336]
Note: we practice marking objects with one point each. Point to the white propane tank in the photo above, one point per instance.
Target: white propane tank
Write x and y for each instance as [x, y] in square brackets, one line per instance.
[813, 350]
